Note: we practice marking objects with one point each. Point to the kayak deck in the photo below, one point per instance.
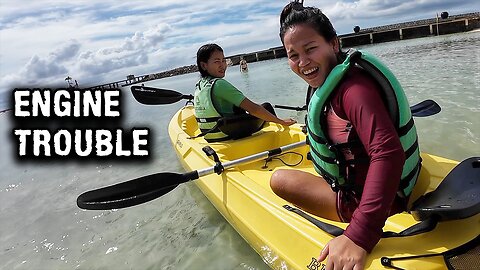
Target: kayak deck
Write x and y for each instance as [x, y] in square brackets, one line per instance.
[284, 239]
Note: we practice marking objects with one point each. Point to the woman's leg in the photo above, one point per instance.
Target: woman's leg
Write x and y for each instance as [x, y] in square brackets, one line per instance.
[307, 191]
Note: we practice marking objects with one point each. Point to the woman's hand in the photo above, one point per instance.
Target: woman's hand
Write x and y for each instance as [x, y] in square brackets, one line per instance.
[288, 122]
[343, 253]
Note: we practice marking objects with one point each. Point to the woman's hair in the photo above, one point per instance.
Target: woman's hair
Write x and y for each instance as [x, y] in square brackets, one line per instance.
[295, 13]
[203, 54]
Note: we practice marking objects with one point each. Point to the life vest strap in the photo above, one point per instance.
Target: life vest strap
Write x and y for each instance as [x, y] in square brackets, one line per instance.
[207, 119]
[348, 145]
[210, 130]
[214, 129]
[405, 182]
[411, 150]
[317, 138]
[405, 129]
[330, 179]
[326, 176]
[325, 158]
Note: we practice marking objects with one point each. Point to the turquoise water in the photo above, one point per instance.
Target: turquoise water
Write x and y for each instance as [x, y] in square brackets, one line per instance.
[42, 228]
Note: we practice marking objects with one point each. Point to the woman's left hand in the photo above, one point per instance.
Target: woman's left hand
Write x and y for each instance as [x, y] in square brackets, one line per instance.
[343, 253]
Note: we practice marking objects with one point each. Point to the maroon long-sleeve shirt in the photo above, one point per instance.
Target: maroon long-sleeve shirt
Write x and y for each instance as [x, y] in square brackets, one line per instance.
[358, 100]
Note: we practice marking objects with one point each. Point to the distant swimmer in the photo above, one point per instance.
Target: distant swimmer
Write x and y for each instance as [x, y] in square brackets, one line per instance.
[243, 65]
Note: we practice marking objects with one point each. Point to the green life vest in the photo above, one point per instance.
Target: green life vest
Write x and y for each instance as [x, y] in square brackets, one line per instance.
[327, 158]
[205, 112]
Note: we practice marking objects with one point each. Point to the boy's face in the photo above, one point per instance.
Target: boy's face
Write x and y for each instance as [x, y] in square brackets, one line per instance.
[216, 65]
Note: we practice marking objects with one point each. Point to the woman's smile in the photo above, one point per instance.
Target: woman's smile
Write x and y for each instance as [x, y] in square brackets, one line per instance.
[310, 56]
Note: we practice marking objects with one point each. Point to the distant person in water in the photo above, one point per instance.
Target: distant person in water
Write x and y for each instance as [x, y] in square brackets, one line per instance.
[364, 171]
[216, 98]
[243, 65]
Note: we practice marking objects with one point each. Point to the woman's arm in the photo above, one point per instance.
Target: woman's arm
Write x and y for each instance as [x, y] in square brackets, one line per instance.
[365, 109]
[359, 101]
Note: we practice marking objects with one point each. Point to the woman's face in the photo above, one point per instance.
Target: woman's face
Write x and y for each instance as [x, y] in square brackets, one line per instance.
[216, 65]
[310, 56]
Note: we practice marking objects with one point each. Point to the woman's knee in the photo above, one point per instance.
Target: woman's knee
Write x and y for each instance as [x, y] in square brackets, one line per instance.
[279, 182]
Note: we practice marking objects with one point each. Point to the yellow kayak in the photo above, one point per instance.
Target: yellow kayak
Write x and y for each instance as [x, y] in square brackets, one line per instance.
[286, 240]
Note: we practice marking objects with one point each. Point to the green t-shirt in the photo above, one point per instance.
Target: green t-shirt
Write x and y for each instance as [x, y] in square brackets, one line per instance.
[225, 96]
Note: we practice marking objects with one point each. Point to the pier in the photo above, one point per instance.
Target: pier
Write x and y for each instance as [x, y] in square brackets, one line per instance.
[414, 29]
[132, 79]
[386, 33]
[407, 30]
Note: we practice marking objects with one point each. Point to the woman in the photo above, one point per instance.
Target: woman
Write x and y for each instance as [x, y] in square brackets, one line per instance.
[354, 144]
[216, 98]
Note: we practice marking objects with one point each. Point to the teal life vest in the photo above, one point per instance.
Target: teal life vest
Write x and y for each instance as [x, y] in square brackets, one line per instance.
[328, 158]
[205, 111]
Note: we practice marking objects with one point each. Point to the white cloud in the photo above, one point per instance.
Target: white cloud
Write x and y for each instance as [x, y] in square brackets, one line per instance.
[37, 69]
[42, 69]
[66, 52]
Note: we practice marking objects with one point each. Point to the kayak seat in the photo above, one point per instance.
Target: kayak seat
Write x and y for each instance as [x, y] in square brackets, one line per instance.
[240, 126]
[457, 196]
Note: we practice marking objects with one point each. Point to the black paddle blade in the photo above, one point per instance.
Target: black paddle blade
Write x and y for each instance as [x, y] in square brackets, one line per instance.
[425, 108]
[155, 96]
[130, 193]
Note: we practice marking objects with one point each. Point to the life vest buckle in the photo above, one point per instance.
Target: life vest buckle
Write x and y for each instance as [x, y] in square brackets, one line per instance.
[334, 187]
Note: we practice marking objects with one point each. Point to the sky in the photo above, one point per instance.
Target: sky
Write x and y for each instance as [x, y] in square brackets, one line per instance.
[95, 42]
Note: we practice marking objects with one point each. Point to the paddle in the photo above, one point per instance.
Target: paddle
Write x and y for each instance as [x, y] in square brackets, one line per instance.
[425, 108]
[152, 186]
[298, 109]
[156, 96]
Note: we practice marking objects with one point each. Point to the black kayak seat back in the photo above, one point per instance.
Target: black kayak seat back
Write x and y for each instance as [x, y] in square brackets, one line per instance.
[235, 127]
[457, 196]
[240, 126]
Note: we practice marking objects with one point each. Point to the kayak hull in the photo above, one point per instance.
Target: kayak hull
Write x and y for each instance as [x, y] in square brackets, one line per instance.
[284, 239]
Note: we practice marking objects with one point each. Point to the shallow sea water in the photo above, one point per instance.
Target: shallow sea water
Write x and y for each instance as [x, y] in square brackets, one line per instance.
[42, 228]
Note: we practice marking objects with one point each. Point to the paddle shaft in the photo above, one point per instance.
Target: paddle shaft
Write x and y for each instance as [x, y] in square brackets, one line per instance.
[251, 158]
[425, 108]
[155, 96]
[152, 186]
[298, 109]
